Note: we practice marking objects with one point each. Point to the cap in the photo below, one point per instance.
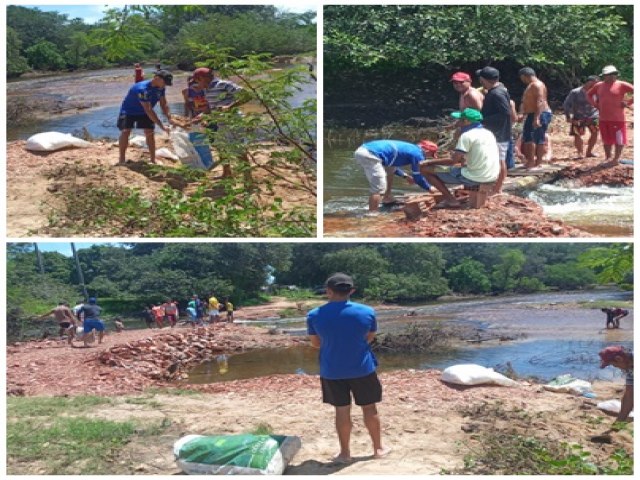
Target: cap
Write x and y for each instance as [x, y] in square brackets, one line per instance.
[470, 114]
[527, 72]
[340, 282]
[166, 76]
[202, 72]
[609, 354]
[489, 73]
[593, 78]
[429, 146]
[609, 70]
[460, 77]
[92, 300]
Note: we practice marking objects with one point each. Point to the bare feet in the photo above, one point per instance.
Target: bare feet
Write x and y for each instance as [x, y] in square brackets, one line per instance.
[342, 459]
[382, 452]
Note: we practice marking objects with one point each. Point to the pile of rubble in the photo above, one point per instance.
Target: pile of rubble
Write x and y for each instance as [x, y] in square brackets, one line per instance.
[169, 355]
[501, 216]
[588, 174]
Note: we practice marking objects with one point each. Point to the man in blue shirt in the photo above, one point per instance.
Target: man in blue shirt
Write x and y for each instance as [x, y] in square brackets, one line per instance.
[137, 111]
[343, 331]
[381, 159]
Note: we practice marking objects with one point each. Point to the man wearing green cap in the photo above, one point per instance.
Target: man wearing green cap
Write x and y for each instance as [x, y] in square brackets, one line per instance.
[476, 153]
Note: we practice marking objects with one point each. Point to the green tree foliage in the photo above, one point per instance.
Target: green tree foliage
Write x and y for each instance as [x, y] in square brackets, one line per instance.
[16, 63]
[551, 38]
[506, 273]
[469, 276]
[568, 276]
[363, 263]
[612, 264]
[44, 55]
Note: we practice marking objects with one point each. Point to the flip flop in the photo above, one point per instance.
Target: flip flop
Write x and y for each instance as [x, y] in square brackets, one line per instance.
[342, 461]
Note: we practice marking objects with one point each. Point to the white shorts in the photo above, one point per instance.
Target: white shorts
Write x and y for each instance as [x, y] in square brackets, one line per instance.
[373, 169]
[503, 147]
[213, 312]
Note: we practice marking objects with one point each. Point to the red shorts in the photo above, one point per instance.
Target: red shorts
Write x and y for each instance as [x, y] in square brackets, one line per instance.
[613, 133]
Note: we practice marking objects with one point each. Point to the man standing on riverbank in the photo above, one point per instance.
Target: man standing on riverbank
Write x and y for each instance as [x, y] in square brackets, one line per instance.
[496, 116]
[468, 97]
[610, 98]
[137, 112]
[621, 358]
[381, 159]
[343, 331]
[582, 116]
[535, 112]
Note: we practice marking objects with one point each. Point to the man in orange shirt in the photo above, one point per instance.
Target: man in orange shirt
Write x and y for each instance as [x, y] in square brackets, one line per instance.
[611, 100]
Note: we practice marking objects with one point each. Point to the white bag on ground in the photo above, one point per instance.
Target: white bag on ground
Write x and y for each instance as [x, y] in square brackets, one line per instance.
[51, 141]
[138, 141]
[194, 155]
[166, 153]
[568, 384]
[235, 454]
[611, 406]
[471, 374]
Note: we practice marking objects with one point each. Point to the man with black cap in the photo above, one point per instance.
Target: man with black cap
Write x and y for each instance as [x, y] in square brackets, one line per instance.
[611, 97]
[496, 115]
[137, 111]
[535, 112]
[343, 331]
[582, 116]
[621, 358]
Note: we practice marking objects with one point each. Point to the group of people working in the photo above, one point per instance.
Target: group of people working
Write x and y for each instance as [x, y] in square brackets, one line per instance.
[85, 316]
[198, 312]
[485, 148]
[204, 93]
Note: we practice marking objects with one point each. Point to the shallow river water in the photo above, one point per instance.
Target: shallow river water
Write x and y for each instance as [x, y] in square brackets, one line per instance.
[602, 211]
[557, 339]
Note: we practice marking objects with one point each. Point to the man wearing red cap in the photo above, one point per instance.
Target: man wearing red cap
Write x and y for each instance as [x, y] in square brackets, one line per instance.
[621, 358]
[469, 97]
[381, 159]
[206, 94]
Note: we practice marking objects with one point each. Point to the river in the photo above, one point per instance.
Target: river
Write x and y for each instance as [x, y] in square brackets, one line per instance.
[558, 337]
[603, 211]
[102, 92]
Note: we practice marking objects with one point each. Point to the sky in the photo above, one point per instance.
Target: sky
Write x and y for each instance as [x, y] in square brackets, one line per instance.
[93, 13]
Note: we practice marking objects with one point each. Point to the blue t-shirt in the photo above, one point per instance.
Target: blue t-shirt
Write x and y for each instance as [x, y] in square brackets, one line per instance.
[343, 328]
[395, 153]
[138, 93]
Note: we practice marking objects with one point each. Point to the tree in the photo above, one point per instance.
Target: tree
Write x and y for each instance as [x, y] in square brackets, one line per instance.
[505, 274]
[77, 49]
[611, 264]
[45, 56]
[16, 63]
[469, 276]
[568, 276]
[363, 263]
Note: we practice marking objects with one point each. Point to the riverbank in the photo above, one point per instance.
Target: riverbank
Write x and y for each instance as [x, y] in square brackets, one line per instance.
[431, 426]
[48, 193]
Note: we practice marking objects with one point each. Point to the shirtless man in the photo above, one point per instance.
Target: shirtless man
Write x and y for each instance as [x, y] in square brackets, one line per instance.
[65, 318]
[535, 112]
[611, 98]
[469, 97]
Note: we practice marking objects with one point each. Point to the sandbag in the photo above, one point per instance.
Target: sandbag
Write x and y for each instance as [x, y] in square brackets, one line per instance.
[138, 141]
[166, 153]
[568, 384]
[471, 374]
[192, 148]
[235, 454]
[611, 406]
[51, 141]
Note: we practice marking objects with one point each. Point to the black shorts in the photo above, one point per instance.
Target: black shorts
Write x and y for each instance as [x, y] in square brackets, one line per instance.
[366, 390]
[127, 122]
[64, 325]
